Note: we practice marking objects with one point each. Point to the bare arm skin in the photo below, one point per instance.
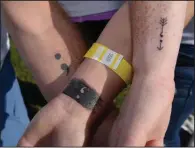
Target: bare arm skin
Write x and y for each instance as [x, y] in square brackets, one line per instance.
[47, 41]
[189, 12]
[53, 49]
[156, 40]
[117, 37]
[104, 129]
[98, 77]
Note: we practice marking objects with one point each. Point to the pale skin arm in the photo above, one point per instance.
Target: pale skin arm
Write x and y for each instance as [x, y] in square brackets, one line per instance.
[104, 129]
[49, 33]
[47, 41]
[156, 41]
[189, 12]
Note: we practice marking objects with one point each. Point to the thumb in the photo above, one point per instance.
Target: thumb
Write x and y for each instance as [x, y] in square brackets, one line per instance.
[156, 143]
[24, 142]
[102, 134]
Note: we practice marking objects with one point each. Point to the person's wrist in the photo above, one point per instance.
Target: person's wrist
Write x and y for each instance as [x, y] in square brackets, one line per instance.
[100, 78]
[70, 107]
[156, 78]
[166, 73]
[156, 83]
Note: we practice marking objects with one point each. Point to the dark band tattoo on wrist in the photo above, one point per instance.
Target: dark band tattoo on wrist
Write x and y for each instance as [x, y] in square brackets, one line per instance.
[99, 105]
[163, 22]
[82, 93]
[64, 66]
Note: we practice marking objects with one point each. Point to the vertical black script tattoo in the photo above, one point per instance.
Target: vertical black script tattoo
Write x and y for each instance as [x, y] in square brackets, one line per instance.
[82, 93]
[64, 66]
[163, 22]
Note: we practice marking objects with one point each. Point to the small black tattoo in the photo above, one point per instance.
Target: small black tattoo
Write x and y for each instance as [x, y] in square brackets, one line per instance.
[163, 22]
[65, 68]
[82, 93]
[57, 56]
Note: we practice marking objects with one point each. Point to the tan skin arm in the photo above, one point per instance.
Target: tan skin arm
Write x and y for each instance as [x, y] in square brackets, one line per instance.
[47, 41]
[42, 36]
[96, 75]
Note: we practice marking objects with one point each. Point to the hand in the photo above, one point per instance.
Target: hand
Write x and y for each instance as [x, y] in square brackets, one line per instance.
[144, 115]
[140, 135]
[101, 136]
[62, 122]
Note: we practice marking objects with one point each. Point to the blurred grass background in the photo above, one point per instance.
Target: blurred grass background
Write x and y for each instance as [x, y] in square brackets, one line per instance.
[32, 96]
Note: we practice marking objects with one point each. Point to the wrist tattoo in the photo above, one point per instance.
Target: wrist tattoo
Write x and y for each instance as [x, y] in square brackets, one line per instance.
[163, 22]
[64, 66]
[82, 93]
[98, 106]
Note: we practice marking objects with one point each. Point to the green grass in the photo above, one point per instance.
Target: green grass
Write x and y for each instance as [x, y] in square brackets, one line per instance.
[32, 96]
[21, 71]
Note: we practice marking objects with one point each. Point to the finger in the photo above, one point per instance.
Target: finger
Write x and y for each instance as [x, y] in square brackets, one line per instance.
[41, 125]
[139, 141]
[101, 136]
[24, 142]
[134, 137]
[156, 143]
[35, 132]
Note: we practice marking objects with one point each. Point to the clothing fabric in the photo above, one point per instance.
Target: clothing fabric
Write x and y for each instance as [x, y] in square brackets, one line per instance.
[13, 113]
[183, 103]
[86, 8]
[188, 34]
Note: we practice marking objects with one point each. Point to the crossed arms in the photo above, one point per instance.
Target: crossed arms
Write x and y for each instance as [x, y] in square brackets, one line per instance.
[50, 38]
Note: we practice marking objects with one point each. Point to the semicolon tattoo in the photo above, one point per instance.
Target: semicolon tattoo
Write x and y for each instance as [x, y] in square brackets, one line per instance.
[57, 56]
[163, 22]
[80, 91]
[64, 66]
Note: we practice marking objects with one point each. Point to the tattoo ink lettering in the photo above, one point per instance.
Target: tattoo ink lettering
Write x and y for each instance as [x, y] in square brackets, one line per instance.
[64, 66]
[163, 22]
[82, 93]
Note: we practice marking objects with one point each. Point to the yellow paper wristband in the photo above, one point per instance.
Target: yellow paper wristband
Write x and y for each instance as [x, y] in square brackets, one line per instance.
[113, 60]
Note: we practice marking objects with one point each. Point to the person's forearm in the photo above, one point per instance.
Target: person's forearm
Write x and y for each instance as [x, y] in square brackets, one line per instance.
[189, 12]
[157, 29]
[99, 77]
[155, 48]
[47, 41]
